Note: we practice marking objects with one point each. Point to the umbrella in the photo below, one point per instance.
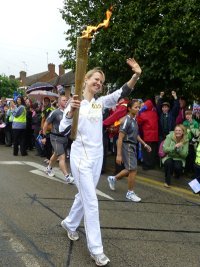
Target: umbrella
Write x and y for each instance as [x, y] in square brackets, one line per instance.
[39, 86]
[39, 95]
[2, 125]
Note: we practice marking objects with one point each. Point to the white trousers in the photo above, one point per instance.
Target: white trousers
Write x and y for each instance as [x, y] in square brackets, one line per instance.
[86, 174]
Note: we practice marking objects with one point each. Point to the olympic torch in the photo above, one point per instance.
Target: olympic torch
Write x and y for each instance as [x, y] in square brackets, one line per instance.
[82, 49]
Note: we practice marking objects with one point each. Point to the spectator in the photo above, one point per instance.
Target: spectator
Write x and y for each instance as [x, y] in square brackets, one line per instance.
[19, 127]
[2, 106]
[196, 112]
[36, 124]
[181, 113]
[148, 125]
[8, 121]
[2, 127]
[112, 123]
[167, 115]
[106, 140]
[29, 130]
[191, 126]
[197, 160]
[176, 148]
[47, 108]
[119, 112]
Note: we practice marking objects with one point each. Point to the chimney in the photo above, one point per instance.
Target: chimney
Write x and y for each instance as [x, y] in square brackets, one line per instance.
[51, 68]
[22, 76]
[61, 70]
[12, 77]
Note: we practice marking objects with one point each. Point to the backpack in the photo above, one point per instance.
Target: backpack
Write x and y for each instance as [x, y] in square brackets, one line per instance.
[161, 152]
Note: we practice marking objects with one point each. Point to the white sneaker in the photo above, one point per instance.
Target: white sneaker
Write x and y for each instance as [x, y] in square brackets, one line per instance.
[69, 179]
[111, 182]
[100, 259]
[74, 236]
[49, 172]
[133, 197]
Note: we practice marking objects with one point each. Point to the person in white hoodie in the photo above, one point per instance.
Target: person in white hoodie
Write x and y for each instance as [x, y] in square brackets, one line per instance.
[87, 155]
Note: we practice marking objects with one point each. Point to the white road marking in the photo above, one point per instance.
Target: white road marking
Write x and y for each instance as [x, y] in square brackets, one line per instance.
[40, 171]
[22, 253]
[34, 165]
[100, 193]
[28, 259]
[12, 162]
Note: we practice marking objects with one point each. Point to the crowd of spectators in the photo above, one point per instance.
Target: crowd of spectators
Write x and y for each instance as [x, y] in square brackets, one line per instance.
[167, 122]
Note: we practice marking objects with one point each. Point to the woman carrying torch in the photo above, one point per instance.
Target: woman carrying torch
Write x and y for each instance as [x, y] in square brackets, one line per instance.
[87, 155]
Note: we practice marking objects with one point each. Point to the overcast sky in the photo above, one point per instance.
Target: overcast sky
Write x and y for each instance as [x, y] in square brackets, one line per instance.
[32, 32]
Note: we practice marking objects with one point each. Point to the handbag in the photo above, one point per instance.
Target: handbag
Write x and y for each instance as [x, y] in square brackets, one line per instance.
[161, 152]
[39, 140]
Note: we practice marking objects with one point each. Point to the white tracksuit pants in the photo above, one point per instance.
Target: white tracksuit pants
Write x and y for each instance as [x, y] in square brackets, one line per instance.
[86, 174]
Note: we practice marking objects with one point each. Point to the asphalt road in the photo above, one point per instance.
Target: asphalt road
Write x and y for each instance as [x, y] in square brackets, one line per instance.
[163, 230]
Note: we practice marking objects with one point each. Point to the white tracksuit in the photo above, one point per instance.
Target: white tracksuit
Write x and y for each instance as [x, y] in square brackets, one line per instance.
[86, 159]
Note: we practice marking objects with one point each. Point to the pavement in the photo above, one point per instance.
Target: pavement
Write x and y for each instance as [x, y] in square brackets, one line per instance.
[155, 178]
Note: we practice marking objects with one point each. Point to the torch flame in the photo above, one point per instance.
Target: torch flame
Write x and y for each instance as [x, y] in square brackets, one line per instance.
[90, 29]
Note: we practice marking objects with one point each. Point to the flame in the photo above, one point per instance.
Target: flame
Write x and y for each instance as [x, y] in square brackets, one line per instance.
[90, 29]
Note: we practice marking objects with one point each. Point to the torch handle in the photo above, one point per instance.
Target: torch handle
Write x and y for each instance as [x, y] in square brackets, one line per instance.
[74, 127]
[82, 49]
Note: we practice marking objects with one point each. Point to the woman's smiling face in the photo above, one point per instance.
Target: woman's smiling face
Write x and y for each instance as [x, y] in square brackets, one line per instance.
[178, 131]
[94, 83]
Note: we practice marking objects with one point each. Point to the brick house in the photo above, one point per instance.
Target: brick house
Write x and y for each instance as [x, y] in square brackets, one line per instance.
[45, 76]
[66, 80]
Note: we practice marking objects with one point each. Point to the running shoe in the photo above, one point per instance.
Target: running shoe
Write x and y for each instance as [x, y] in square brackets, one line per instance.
[69, 179]
[49, 172]
[73, 235]
[100, 259]
[111, 182]
[133, 197]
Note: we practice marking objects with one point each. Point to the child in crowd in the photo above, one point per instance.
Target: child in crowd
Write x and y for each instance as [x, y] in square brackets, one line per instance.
[190, 123]
[167, 114]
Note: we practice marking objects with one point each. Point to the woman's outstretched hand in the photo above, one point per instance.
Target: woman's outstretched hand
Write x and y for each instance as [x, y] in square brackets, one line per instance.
[134, 66]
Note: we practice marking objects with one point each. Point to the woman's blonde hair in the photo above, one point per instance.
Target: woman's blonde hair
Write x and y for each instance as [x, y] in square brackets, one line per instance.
[183, 139]
[92, 71]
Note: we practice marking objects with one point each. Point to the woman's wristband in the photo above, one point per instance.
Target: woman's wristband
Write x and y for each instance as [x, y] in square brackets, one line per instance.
[145, 145]
[136, 76]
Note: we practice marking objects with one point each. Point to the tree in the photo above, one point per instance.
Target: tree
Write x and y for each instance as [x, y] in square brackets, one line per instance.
[7, 86]
[163, 36]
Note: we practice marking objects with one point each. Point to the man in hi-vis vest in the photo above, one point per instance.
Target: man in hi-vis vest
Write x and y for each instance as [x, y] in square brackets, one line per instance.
[19, 127]
[197, 162]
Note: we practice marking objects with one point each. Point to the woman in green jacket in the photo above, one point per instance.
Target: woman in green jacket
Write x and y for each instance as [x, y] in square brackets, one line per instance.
[176, 148]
